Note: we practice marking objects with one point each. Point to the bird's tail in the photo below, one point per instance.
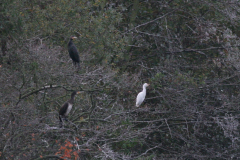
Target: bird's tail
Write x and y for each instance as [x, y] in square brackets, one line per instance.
[60, 118]
[60, 123]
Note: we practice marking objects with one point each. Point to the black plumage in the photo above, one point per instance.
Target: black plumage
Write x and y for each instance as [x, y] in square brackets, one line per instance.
[66, 108]
[73, 52]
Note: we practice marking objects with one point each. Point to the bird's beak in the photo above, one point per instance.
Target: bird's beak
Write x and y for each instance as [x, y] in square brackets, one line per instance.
[79, 92]
[74, 37]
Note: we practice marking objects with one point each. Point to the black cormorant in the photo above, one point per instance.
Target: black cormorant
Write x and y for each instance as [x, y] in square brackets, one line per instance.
[73, 52]
[66, 108]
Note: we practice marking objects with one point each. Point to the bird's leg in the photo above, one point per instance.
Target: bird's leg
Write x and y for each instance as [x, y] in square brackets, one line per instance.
[65, 118]
[62, 118]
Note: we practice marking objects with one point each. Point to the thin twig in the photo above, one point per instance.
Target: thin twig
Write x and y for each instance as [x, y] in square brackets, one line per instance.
[168, 127]
[154, 19]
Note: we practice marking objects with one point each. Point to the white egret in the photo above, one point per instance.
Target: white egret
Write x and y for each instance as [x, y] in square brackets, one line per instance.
[141, 95]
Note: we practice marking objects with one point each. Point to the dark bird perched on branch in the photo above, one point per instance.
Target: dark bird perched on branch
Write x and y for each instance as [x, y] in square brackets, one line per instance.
[73, 52]
[66, 108]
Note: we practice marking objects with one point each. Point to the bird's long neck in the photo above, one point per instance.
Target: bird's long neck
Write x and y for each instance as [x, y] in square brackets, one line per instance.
[70, 42]
[144, 89]
[72, 99]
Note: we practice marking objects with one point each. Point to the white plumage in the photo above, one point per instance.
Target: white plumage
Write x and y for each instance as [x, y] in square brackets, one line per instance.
[68, 109]
[141, 95]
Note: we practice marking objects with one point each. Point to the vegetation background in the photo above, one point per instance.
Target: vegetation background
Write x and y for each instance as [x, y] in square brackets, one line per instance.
[188, 50]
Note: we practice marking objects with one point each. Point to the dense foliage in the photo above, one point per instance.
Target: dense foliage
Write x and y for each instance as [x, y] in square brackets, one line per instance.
[187, 50]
